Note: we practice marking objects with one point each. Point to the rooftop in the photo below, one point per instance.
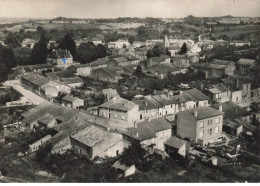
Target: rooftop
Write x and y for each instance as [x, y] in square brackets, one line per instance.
[219, 88]
[243, 61]
[196, 95]
[120, 104]
[175, 142]
[202, 113]
[69, 98]
[36, 79]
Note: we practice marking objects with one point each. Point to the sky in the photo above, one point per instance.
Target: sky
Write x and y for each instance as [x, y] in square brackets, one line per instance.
[127, 8]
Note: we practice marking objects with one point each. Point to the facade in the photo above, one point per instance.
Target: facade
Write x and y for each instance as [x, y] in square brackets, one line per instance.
[151, 133]
[70, 101]
[219, 93]
[244, 65]
[93, 141]
[175, 146]
[174, 50]
[119, 109]
[105, 74]
[180, 61]
[202, 125]
[35, 146]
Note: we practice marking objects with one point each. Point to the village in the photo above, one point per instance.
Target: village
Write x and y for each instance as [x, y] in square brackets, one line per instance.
[158, 105]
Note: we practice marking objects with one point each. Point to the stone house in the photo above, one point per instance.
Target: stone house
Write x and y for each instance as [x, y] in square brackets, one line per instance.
[93, 141]
[35, 146]
[70, 101]
[180, 61]
[219, 93]
[119, 109]
[174, 50]
[150, 133]
[202, 125]
[245, 65]
[106, 74]
[175, 146]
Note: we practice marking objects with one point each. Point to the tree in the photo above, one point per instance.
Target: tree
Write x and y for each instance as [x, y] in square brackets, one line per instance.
[86, 52]
[68, 43]
[101, 51]
[131, 39]
[254, 107]
[156, 51]
[138, 71]
[40, 51]
[166, 32]
[141, 31]
[183, 49]
[134, 154]
[7, 56]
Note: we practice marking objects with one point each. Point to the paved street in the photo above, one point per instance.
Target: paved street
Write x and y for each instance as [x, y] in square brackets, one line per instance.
[34, 98]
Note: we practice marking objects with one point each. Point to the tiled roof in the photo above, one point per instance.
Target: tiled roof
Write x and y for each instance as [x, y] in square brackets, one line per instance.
[147, 103]
[177, 47]
[119, 104]
[222, 62]
[52, 76]
[36, 79]
[218, 89]
[210, 66]
[69, 98]
[162, 68]
[71, 80]
[175, 142]
[196, 95]
[120, 59]
[147, 130]
[243, 61]
[46, 119]
[202, 113]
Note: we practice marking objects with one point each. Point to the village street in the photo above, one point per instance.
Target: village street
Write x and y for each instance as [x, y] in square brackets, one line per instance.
[34, 98]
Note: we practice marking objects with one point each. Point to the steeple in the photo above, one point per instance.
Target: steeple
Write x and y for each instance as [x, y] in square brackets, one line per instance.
[166, 41]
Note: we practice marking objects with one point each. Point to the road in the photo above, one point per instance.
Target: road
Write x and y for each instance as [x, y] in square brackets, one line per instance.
[34, 98]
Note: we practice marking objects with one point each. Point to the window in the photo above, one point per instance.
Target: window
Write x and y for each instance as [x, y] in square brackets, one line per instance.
[201, 124]
[216, 130]
[210, 122]
[210, 131]
[217, 120]
[171, 106]
[201, 134]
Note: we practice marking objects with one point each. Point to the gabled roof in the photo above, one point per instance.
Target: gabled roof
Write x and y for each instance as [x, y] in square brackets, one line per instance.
[202, 113]
[147, 130]
[175, 142]
[210, 66]
[69, 98]
[120, 59]
[47, 118]
[147, 103]
[120, 104]
[219, 88]
[36, 79]
[243, 61]
[71, 80]
[162, 68]
[196, 95]
[222, 62]
[176, 47]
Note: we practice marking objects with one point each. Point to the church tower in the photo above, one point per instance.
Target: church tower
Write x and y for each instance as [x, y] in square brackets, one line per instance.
[166, 41]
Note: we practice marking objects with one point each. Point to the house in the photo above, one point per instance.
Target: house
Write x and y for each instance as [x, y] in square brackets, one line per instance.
[119, 109]
[85, 69]
[180, 61]
[34, 82]
[174, 50]
[219, 93]
[93, 141]
[162, 59]
[232, 127]
[70, 101]
[62, 58]
[20, 70]
[162, 70]
[193, 57]
[73, 82]
[216, 68]
[47, 121]
[199, 99]
[148, 107]
[151, 133]
[109, 93]
[202, 125]
[194, 48]
[124, 169]
[175, 146]
[140, 53]
[240, 43]
[245, 65]
[105, 74]
[118, 44]
[206, 44]
[35, 146]
[125, 61]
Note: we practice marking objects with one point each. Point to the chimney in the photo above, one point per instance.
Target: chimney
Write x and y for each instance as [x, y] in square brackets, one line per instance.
[220, 108]
[196, 113]
[181, 92]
